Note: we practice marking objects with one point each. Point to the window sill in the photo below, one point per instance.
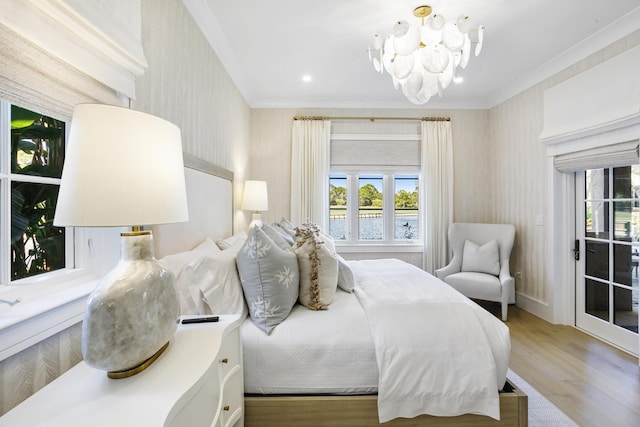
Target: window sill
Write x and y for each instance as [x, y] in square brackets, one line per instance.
[46, 308]
[344, 247]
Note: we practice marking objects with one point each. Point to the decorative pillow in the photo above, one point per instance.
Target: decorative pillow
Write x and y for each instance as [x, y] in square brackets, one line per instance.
[229, 241]
[285, 235]
[289, 228]
[270, 279]
[277, 238]
[346, 281]
[318, 267]
[481, 259]
[175, 262]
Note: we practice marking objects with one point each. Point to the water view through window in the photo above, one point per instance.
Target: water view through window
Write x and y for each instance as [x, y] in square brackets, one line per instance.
[370, 210]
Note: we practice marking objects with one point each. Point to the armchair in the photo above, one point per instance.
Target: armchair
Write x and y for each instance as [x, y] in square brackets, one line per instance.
[484, 273]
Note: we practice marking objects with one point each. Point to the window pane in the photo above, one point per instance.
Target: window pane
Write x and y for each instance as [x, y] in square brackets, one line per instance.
[406, 207]
[597, 260]
[622, 183]
[622, 214]
[37, 144]
[36, 245]
[626, 308]
[622, 264]
[370, 222]
[597, 220]
[597, 184]
[597, 299]
[338, 207]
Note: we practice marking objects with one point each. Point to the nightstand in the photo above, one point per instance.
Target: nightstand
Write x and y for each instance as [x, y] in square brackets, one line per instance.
[197, 381]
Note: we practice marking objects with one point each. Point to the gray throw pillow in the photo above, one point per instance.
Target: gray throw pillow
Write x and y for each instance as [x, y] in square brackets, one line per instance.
[277, 238]
[270, 279]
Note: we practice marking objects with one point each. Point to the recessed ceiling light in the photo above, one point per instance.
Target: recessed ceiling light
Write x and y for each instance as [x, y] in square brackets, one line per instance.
[458, 79]
[306, 78]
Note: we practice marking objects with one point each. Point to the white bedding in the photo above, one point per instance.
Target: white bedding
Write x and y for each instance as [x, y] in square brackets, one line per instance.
[438, 352]
[312, 352]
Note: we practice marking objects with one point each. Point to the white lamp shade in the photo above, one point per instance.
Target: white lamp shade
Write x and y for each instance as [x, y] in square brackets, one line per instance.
[122, 168]
[255, 196]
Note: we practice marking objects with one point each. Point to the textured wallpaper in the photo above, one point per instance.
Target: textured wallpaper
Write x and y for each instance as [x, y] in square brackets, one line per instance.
[187, 85]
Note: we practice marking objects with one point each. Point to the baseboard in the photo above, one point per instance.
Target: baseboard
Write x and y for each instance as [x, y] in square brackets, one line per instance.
[535, 306]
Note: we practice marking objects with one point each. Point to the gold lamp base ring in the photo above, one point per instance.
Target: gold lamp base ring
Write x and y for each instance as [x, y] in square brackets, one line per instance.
[116, 375]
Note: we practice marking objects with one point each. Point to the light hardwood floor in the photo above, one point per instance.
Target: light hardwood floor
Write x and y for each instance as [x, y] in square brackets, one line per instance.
[592, 382]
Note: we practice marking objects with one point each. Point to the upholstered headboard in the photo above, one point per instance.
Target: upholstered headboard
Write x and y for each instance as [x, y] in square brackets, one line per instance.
[210, 202]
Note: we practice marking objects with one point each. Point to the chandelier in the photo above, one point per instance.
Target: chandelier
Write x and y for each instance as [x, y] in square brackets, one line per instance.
[423, 59]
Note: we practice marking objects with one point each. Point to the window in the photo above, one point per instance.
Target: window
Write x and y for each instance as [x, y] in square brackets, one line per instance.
[374, 191]
[30, 182]
[374, 208]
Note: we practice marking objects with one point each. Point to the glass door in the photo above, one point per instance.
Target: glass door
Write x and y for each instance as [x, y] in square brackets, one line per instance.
[607, 236]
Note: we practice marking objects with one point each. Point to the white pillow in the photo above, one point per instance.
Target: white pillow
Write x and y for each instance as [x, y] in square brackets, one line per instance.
[481, 259]
[217, 284]
[346, 280]
[229, 241]
[175, 262]
[192, 281]
[188, 295]
[318, 265]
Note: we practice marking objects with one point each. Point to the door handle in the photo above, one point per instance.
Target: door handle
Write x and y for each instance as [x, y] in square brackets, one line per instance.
[576, 250]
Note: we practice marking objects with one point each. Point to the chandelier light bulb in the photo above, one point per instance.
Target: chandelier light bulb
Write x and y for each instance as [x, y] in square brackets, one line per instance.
[464, 23]
[436, 21]
[422, 58]
[377, 43]
[400, 29]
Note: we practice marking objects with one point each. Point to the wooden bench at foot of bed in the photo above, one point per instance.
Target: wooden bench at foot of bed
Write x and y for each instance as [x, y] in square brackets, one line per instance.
[362, 411]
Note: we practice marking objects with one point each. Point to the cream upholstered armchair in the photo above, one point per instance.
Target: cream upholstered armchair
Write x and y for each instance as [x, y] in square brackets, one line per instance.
[479, 267]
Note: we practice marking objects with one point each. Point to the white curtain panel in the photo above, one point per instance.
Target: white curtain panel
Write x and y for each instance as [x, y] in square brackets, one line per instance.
[310, 165]
[437, 170]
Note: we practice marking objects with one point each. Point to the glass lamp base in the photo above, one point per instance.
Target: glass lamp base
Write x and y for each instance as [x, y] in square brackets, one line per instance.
[132, 313]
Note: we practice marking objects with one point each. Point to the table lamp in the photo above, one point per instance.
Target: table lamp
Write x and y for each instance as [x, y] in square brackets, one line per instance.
[255, 199]
[124, 168]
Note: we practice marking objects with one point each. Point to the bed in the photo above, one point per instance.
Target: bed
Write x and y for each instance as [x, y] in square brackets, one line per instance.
[285, 383]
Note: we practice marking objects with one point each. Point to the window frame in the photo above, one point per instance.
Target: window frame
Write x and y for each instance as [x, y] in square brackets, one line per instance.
[352, 243]
[53, 301]
[10, 178]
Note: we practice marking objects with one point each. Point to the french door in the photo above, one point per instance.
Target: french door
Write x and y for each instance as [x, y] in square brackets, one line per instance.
[607, 249]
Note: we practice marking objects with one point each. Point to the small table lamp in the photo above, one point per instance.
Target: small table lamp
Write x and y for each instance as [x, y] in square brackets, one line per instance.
[255, 199]
[124, 168]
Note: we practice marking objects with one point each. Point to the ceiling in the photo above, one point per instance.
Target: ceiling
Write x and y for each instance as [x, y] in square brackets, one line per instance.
[267, 46]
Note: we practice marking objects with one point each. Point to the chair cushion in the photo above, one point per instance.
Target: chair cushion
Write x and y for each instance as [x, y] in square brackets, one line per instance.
[476, 285]
[481, 259]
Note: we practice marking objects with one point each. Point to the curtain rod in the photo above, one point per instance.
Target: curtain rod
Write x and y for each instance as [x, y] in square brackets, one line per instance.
[423, 119]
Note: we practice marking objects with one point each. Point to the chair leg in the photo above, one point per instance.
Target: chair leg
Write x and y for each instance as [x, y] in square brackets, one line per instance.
[505, 306]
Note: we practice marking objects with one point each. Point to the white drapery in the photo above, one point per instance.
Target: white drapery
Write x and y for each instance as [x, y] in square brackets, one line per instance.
[437, 172]
[310, 166]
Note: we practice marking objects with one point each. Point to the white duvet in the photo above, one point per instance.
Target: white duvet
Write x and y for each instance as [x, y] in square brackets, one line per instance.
[437, 352]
